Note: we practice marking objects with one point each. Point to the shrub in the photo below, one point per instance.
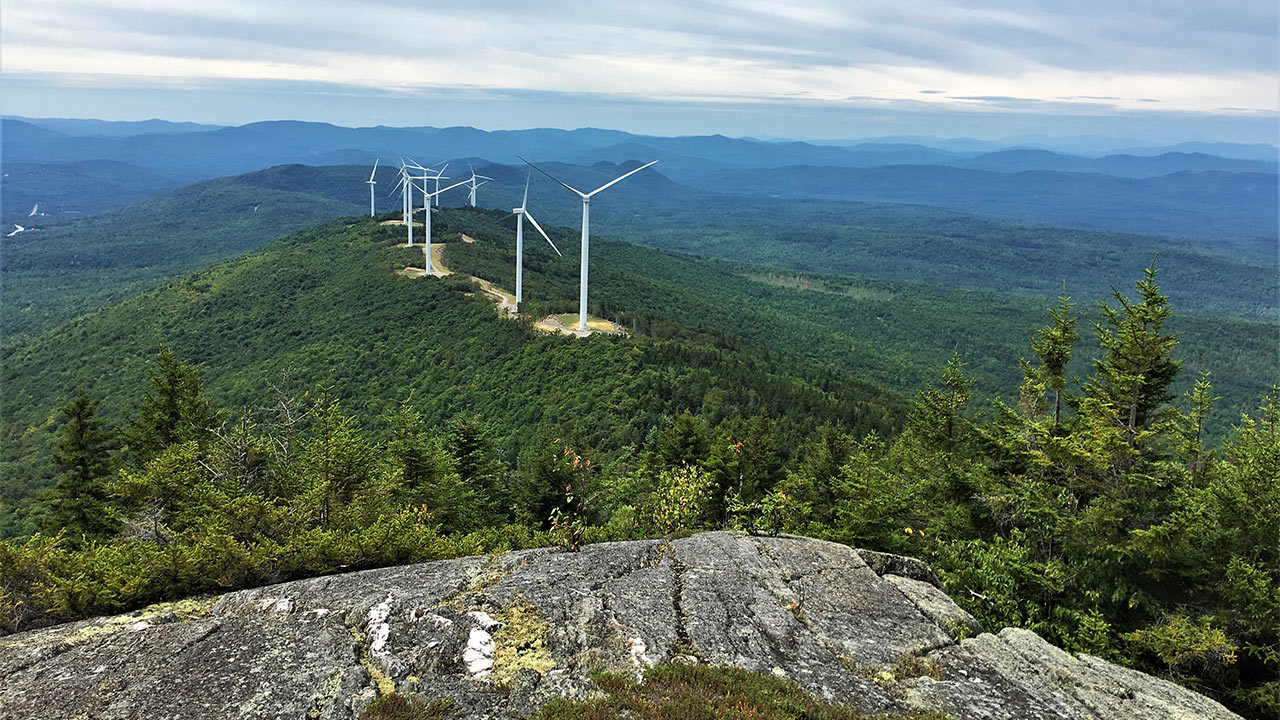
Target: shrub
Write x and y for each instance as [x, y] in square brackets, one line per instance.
[684, 692]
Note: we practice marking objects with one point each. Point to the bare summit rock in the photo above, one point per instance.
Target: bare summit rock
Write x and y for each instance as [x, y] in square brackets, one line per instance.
[502, 635]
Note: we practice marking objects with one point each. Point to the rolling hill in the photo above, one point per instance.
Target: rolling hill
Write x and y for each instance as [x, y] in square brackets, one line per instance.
[325, 308]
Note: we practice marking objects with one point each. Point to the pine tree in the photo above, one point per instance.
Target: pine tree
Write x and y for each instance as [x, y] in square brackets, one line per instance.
[80, 503]
[174, 410]
[340, 463]
[410, 455]
[1134, 374]
[683, 442]
[938, 417]
[1052, 345]
[469, 444]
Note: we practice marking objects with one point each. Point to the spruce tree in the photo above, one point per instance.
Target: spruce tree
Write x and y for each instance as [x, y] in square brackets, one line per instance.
[80, 503]
[1052, 345]
[683, 442]
[1134, 374]
[174, 410]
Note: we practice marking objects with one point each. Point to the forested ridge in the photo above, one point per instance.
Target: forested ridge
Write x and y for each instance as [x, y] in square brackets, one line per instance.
[324, 306]
[414, 423]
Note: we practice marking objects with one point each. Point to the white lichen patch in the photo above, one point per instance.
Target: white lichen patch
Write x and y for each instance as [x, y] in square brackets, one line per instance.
[639, 652]
[377, 630]
[483, 620]
[478, 655]
[280, 606]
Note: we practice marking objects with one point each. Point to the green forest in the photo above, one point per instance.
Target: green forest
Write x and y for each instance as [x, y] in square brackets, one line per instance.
[1097, 505]
[325, 307]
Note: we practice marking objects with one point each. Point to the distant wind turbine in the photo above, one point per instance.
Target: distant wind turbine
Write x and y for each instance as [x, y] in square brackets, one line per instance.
[426, 198]
[440, 176]
[521, 213]
[586, 235]
[406, 193]
[371, 182]
[474, 177]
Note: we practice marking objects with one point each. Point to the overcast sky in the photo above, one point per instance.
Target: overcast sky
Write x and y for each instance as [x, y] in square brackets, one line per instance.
[773, 68]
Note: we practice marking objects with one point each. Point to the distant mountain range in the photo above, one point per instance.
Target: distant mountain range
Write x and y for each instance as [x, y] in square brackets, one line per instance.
[1185, 192]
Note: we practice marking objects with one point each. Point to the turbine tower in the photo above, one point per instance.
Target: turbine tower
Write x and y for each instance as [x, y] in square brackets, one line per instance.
[426, 221]
[586, 234]
[436, 195]
[371, 182]
[426, 197]
[521, 213]
[472, 180]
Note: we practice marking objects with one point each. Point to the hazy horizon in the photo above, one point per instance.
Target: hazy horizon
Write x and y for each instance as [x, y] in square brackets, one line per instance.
[1134, 69]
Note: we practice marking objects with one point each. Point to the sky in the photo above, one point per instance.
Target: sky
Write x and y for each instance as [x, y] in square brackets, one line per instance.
[1159, 70]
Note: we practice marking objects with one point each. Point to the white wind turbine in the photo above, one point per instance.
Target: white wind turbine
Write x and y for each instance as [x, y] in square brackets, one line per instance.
[371, 182]
[586, 235]
[404, 202]
[405, 186]
[472, 180]
[521, 213]
[426, 198]
[438, 177]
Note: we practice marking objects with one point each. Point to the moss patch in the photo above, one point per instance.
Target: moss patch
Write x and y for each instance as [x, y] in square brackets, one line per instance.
[403, 707]
[184, 609]
[521, 642]
[681, 692]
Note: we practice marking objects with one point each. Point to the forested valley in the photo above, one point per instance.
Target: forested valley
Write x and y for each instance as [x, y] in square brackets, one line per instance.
[1100, 507]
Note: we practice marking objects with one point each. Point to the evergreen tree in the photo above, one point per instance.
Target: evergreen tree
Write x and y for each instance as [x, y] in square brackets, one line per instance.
[683, 442]
[174, 410]
[1134, 374]
[340, 463]
[470, 446]
[412, 465]
[1052, 345]
[79, 503]
[937, 419]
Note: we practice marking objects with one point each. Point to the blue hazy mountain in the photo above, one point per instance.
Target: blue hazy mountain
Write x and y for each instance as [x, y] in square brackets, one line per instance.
[115, 128]
[1171, 193]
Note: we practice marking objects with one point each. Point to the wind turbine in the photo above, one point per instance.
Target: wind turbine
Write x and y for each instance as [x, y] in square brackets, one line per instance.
[426, 198]
[473, 182]
[586, 235]
[521, 213]
[371, 182]
[407, 182]
[439, 176]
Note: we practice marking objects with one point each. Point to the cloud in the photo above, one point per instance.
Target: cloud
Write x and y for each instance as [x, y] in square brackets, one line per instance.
[998, 52]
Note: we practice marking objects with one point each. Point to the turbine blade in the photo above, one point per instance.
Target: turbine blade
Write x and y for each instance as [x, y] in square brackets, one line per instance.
[553, 177]
[543, 234]
[620, 179]
[444, 190]
[375, 169]
[524, 202]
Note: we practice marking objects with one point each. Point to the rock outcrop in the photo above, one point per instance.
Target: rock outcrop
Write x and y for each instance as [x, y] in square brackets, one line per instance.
[502, 635]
